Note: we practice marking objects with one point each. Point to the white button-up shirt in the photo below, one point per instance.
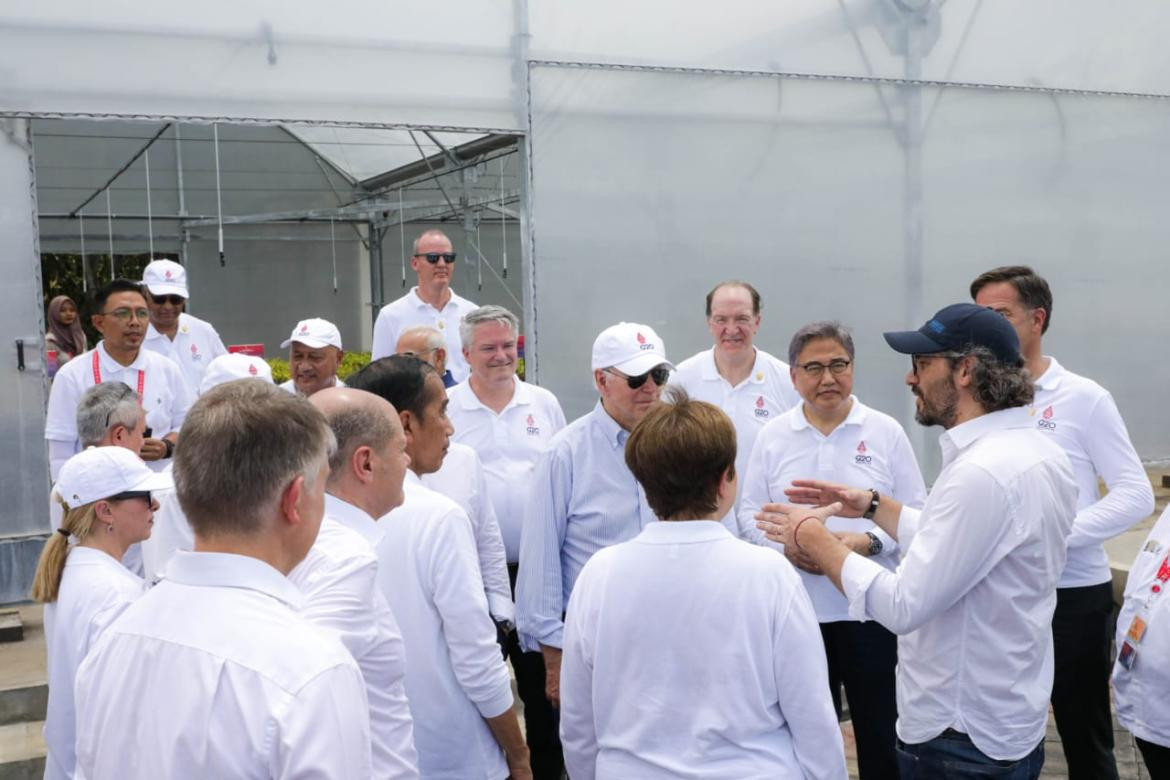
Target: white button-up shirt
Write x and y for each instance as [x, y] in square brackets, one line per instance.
[95, 588]
[1080, 416]
[973, 596]
[1141, 691]
[213, 673]
[687, 654]
[455, 675]
[462, 480]
[509, 444]
[164, 397]
[868, 449]
[584, 498]
[339, 579]
[411, 310]
[196, 344]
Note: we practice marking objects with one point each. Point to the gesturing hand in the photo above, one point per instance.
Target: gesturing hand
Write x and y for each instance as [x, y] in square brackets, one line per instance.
[818, 493]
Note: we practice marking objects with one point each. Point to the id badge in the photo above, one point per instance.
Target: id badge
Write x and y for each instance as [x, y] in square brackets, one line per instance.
[1127, 656]
[1137, 629]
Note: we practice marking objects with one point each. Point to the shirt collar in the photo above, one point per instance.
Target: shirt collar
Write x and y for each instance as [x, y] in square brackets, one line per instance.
[421, 304]
[683, 532]
[857, 415]
[614, 434]
[1050, 379]
[965, 434]
[88, 556]
[521, 396]
[710, 372]
[108, 363]
[353, 517]
[228, 570]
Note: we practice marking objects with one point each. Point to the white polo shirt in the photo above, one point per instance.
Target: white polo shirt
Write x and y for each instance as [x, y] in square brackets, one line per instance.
[868, 449]
[411, 310]
[509, 444]
[456, 676]
[196, 344]
[95, 588]
[753, 403]
[213, 673]
[462, 480]
[1142, 704]
[339, 579]
[1080, 416]
[164, 395]
[973, 596]
[690, 653]
[290, 386]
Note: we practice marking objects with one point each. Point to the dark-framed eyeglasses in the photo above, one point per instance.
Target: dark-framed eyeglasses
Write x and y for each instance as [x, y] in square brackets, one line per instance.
[173, 300]
[836, 367]
[129, 494]
[125, 314]
[435, 257]
[659, 374]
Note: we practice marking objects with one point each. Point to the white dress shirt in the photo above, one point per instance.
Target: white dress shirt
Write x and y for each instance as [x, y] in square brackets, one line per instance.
[1141, 691]
[339, 580]
[195, 345]
[456, 675]
[584, 498]
[1081, 417]
[95, 588]
[411, 310]
[973, 596]
[214, 674]
[291, 386]
[509, 444]
[868, 449]
[687, 655]
[164, 397]
[462, 480]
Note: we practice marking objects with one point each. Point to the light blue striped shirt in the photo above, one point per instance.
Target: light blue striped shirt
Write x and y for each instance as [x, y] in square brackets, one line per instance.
[584, 498]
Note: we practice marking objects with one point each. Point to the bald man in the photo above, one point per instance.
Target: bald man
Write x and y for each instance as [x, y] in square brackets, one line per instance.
[426, 343]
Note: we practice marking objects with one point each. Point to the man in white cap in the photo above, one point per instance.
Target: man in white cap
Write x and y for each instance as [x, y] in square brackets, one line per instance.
[430, 302]
[189, 341]
[314, 353]
[584, 496]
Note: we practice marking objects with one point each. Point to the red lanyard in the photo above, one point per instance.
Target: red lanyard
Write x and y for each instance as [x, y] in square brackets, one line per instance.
[97, 376]
[1162, 576]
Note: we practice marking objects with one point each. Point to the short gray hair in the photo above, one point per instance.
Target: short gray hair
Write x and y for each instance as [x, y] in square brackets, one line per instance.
[486, 314]
[102, 407]
[431, 232]
[353, 427]
[240, 446]
[434, 339]
[821, 329]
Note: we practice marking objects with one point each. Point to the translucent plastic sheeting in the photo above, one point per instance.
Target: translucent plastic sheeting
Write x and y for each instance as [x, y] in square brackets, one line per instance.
[1054, 43]
[409, 61]
[364, 153]
[650, 187]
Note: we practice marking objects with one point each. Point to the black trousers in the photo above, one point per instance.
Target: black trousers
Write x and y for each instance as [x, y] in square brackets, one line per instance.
[862, 657]
[1082, 629]
[541, 721]
[1157, 758]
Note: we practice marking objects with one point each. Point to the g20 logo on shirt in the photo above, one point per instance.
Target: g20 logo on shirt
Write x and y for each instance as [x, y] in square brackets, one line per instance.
[532, 429]
[1046, 422]
[760, 410]
[861, 457]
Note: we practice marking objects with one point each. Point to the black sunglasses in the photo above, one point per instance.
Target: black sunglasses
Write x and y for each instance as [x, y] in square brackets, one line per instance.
[434, 257]
[659, 375]
[129, 494]
[174, 300]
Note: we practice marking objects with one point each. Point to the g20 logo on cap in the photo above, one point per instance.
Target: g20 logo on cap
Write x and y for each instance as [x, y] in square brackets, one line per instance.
[167, 274]
[304, 330]
[1046, 421]
[252, 370]
[861, 457]
[642, 342]
[760, 411]
[532, 429]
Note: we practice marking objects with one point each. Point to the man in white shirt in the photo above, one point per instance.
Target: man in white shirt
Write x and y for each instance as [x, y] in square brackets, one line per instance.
[426, 343]
[431, 302]
[121, 317]
[314, 354]
[339, 576]
[973, 595]
[509, 423]
[1080, 416]
[189, 341]
[584, 497]
[213, 673]
[747, 383]
[459, 688]
[686, 649]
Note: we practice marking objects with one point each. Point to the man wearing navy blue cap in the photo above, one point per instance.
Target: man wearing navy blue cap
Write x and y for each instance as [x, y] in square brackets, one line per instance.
[973, 597]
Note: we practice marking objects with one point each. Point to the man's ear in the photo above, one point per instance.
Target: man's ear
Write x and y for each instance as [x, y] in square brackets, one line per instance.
[409, 422]
[96, 321]
[361, 464]
[598, 379]
[290, 498]
[1039, 318]
[441, 355]
[965, 372]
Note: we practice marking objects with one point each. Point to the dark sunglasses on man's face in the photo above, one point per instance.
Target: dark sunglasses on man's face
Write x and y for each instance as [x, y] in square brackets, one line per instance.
[659, 375]
[434, 257]
[173, 300]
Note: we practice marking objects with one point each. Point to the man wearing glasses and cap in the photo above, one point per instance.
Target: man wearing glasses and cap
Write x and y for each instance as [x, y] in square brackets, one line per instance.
[314, 355]
[431, 302]
[189, 341]
[585, 497]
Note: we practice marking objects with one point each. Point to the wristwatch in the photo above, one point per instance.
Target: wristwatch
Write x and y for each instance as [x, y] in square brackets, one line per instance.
[875, 544]
[170, 448]
[874, 499]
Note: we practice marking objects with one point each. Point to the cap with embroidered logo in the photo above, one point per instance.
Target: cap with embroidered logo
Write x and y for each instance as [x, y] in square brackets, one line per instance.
[232, 366]
[314, 333]
[629, 347]
[958, 327]
[165, 277]
[102, 472]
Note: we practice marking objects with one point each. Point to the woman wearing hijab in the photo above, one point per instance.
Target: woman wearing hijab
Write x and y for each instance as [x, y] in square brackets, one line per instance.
[65, 334]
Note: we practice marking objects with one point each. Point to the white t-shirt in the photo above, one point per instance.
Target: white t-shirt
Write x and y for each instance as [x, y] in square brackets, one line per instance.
[196, 344]
[868, 449]
[411, 310]
[509, 444]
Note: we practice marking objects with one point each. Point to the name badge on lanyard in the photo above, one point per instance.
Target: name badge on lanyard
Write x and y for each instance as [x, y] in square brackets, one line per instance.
[1128, 652]
[97, 376]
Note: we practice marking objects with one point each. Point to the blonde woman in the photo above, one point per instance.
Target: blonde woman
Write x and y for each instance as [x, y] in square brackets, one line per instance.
[106, 493]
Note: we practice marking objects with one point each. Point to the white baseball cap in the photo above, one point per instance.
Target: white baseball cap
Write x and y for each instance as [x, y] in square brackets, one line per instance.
[314, 334]
[629, 347]
[165, 277]
[232, 366]
[103, 472]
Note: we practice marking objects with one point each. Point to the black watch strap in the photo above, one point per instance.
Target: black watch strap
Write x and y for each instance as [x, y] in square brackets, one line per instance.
[170, 448]
[874, 499]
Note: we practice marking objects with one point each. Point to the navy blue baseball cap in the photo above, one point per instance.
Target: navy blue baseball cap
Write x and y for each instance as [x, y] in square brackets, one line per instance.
[958, 327]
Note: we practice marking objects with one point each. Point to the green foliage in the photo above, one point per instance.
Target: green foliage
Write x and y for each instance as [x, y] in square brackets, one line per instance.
[350, 364]
[61, 274]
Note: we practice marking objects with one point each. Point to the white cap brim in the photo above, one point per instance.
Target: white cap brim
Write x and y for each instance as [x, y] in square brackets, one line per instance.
[158, 480]
[167, 289]
[308, 341]
[642, 363]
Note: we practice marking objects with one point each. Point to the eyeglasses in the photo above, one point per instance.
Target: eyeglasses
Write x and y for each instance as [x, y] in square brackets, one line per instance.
[659, 375]
[129, 494]
[173, 300]
[919, 362]
[125, 314]
[434, 257]
[836, 367]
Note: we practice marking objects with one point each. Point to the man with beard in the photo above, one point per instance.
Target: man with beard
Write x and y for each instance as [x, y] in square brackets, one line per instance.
[973, 597]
